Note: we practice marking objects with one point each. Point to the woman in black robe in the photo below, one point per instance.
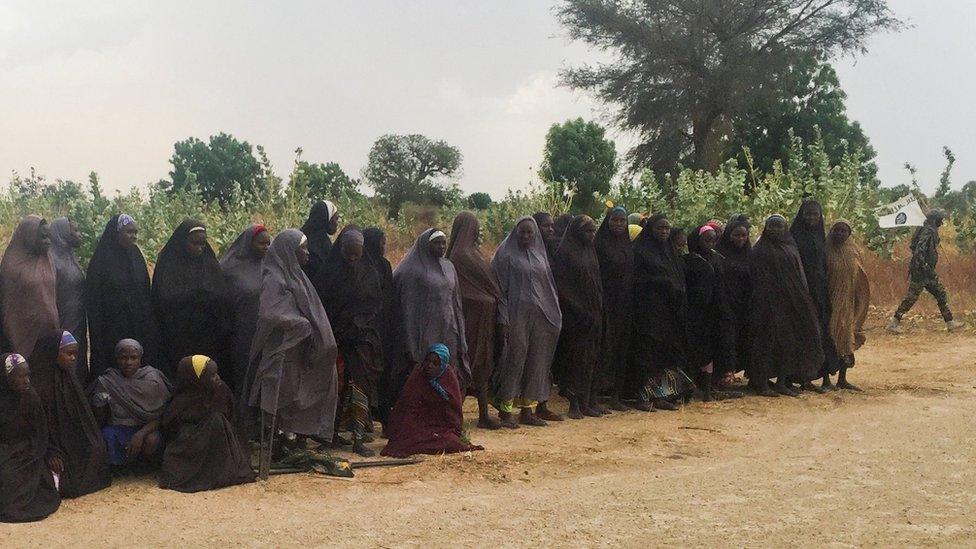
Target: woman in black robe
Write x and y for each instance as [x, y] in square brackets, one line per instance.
[660, 303]
[734, 245]
[354, 302]
[117, 297]
[202, 448]
[323, 221]
[190, 299]
[28, 462]
[809, 234]
[786, 342]
[616, 256]
[374, 251]
[547, 228]
[576, 271]
[241, 266]
[71, 424]
[710, 347]
[65, 238]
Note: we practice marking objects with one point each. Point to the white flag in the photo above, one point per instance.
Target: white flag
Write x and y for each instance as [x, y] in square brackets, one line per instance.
[904, 212]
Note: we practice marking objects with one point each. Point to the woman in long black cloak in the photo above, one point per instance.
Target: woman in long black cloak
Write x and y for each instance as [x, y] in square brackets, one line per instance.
[809, 234]
[323, 221]
[616, 256]
[576, 271]
[190, 299]
[734, 245]
[117, 297]
[28, 461]
[71, 424]
[65, 238]
[710, 344]
[354, 302]
[374, 249]
[241, 266]
[202, 451]
[786, 341]
[661, 312]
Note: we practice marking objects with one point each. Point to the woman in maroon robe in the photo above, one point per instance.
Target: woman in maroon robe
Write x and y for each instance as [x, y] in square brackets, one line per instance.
[427, 416]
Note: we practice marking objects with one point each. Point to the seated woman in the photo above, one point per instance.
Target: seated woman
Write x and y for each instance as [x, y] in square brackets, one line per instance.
[27, 488]
[135, 395]
[202, 448]
[427, 416]
[70, 421]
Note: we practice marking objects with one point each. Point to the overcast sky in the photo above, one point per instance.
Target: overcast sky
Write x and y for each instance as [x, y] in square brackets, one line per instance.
[110, 86]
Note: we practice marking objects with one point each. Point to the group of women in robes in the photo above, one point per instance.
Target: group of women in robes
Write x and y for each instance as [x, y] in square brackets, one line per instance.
[294, 339]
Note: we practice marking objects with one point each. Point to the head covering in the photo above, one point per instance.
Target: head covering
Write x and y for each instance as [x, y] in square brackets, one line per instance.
[70, 289]
[436, 234]
[128, 344]
[292, 323]
[850, 293]
[430, 306]
[123, 220]
[119, 301]
[190, 300]
[725, 245]
[550, 241]
[67, 339]
[11, 361]
[477, 280]
[444, 354]
[634, 219]
[812, 245]
[316, 228]
[695, 244]
[199, 363]
[69, 417]
[633, 231]
[28, 287]
[136, 400]
[522, 273]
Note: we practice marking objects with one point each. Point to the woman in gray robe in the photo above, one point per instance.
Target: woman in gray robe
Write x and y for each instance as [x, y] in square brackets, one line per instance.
[427, 304]
[293, 356]
[65, 237]
[529, 310]
[241, 266]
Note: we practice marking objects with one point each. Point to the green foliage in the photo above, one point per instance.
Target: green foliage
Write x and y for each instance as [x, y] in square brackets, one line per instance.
[218, 170]
[683, 72]
[579, 160]
[479, 201]
[322, 181]
[412, 168]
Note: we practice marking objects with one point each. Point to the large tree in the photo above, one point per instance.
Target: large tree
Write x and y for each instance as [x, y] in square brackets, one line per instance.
[411, 168]
[686, 69]
[322, 181]
[216, 169]
[806, 99]
[579, 156]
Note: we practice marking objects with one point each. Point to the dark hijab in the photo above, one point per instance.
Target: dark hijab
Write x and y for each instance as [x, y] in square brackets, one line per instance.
[616, 256]
[71, 290]
[477, 280]
[190, 300]
[550, 242]
[28, 288]
[316, 228]
[660, 296]
[69, 418]
[242, 276]
[118, 301]
[576, 270]
[786, 331]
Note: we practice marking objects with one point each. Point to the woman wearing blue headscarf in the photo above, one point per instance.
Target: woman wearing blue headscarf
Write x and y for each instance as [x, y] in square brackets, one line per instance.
[427, 416]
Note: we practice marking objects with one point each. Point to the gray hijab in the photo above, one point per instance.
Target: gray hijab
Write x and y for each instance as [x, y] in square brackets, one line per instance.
[525, 276]
[429, 306]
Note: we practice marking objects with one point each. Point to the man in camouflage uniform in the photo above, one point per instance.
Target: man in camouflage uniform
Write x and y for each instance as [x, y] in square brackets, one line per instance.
[922, 275]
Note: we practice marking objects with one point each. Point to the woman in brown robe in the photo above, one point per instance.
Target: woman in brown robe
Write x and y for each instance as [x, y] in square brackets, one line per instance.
[70, 421]
[850, 294]
[202, 448]
[28, 287]
[479, 301]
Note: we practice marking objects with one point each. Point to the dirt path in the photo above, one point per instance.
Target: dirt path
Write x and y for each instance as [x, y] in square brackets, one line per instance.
[889, 467]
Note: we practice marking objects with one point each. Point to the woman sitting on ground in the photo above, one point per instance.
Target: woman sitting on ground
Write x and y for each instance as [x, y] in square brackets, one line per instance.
[27, 488]
[135, 395]
[427, 416]
[72, 426]
[202, 449]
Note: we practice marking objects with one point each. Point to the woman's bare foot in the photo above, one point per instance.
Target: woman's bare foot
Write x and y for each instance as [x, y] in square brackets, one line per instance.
[546, 414]
[662, 404]
[618, 406]
[526, 417]
[785, 390]
[644, 406]
[848, 386]
[810, 387]
[507, 420]
[599, 408]
[590, 412]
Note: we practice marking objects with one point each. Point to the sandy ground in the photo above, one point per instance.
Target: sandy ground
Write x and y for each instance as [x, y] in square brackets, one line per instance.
[892, 466]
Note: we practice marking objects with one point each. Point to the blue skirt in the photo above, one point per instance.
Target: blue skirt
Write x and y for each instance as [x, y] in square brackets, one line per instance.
[117, 437]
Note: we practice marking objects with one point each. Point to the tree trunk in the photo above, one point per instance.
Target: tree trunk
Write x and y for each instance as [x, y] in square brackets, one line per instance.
[707, 130]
